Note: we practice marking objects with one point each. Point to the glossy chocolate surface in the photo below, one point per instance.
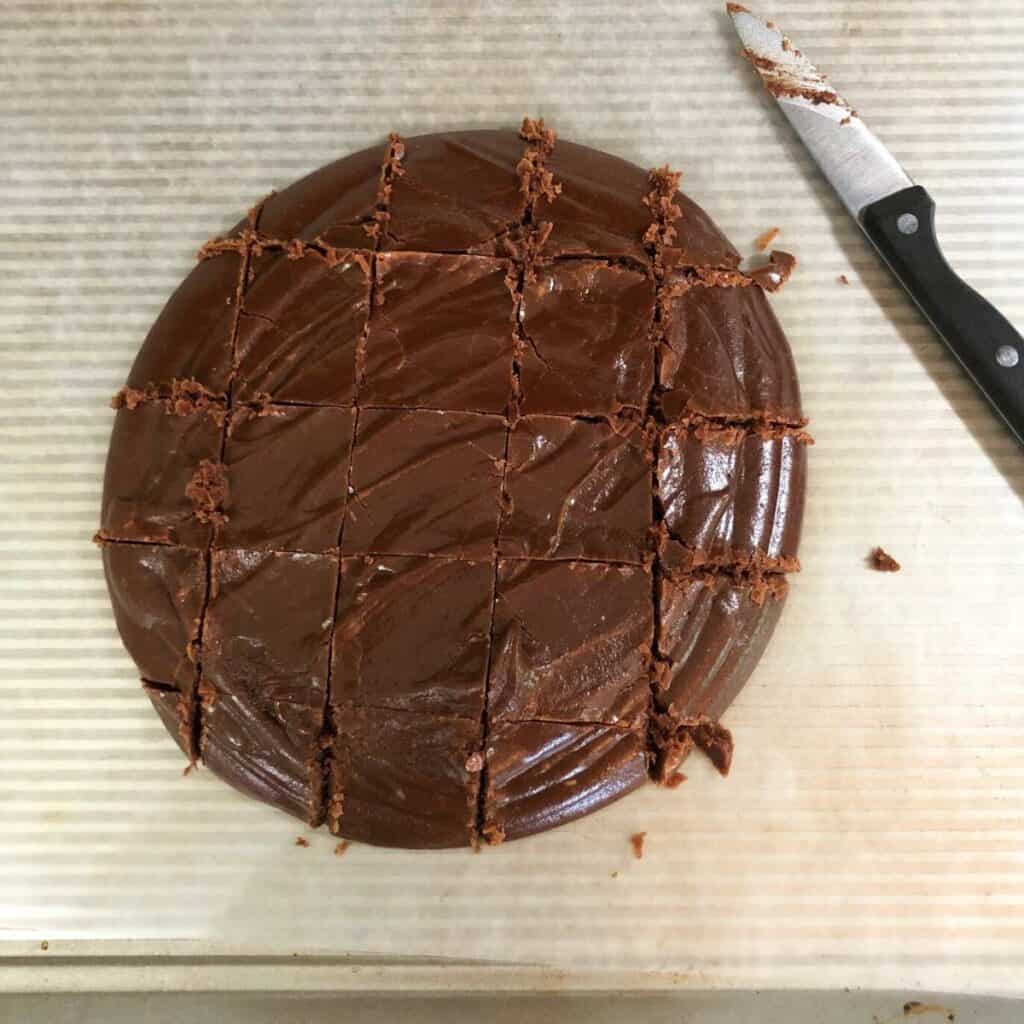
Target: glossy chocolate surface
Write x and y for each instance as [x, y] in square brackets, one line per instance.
[264, 665]
[588, 333]
[439, 664]
[577, 489]
[425, 483]
[441, 336]
[287, 472]
[726, 356]
[571, 642]
[302, 320]
[451, 497]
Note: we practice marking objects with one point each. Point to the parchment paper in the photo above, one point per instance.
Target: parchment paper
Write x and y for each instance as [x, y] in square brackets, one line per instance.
[872, 830]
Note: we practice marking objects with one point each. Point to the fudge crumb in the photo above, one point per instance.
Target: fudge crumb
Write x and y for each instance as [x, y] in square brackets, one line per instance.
[882, 561]
[44, 945]
[843, 279]
[301, 841]
[637, 841]
[776, 272]
[339, 850]
[765, 239]
[187, 770]
[132, 398]
[615, 874]
[208, 492]
[494, 835]
[715, 741]
[675, 780]
[207, 694]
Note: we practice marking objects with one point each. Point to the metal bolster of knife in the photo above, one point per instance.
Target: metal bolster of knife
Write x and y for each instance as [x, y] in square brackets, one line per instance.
[902, 228]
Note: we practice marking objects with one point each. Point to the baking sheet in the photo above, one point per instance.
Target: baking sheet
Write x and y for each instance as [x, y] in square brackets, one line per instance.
[872, 830]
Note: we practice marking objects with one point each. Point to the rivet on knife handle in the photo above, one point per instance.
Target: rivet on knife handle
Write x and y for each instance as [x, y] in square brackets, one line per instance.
[902, 228]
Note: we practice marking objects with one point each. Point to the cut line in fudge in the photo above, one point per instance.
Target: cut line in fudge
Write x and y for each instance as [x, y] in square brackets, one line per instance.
[535, 182]
[736, 567]
[667, 259]
[322, 769]
[197, 697]
[663, 184]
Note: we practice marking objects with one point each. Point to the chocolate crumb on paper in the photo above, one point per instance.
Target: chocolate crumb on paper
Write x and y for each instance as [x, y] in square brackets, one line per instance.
[765, 239]
[843, 279]
[301, 841]
[882, 561]
[341, 848]
[44, 945]
[637, 842]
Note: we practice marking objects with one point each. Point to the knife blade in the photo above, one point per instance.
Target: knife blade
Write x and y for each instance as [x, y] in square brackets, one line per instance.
[896, 215]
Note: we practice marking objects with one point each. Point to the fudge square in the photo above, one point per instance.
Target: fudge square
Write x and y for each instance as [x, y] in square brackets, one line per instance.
[404, 778]
[441, 610]
[541, 774]
[157, 593]
[733, 495]
[433, 209]
[577, 490]
[441, 333]
[264, 662]
[301, 322]
[191, 338]
[572, 642]
[287, 471]
[425, 483]
[588, 329]
[154, 456]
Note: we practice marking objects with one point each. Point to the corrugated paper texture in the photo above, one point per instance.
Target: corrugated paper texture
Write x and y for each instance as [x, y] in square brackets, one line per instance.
[872, 831]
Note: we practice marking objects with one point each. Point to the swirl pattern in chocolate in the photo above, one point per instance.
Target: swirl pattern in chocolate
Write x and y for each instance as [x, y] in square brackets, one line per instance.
[452, 495]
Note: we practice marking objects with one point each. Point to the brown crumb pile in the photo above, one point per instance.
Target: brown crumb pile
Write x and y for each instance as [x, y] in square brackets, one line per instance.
[339, 850]
[765, 239]
[675, 780]
[44, 945]
[843, 279]
[494, 835]
[208, 491]
[637, 842]
[715, 741]
[882, 561]
[301, 841]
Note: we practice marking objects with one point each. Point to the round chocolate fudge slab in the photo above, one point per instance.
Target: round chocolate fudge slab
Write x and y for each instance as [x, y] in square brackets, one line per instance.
[452, 495]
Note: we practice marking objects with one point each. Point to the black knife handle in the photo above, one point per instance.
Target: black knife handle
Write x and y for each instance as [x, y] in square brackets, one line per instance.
[902, 229]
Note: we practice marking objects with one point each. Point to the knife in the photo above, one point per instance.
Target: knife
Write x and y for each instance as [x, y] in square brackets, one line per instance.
[897, 216]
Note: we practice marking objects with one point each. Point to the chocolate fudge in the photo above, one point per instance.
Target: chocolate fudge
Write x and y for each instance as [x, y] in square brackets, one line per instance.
[453, 494]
